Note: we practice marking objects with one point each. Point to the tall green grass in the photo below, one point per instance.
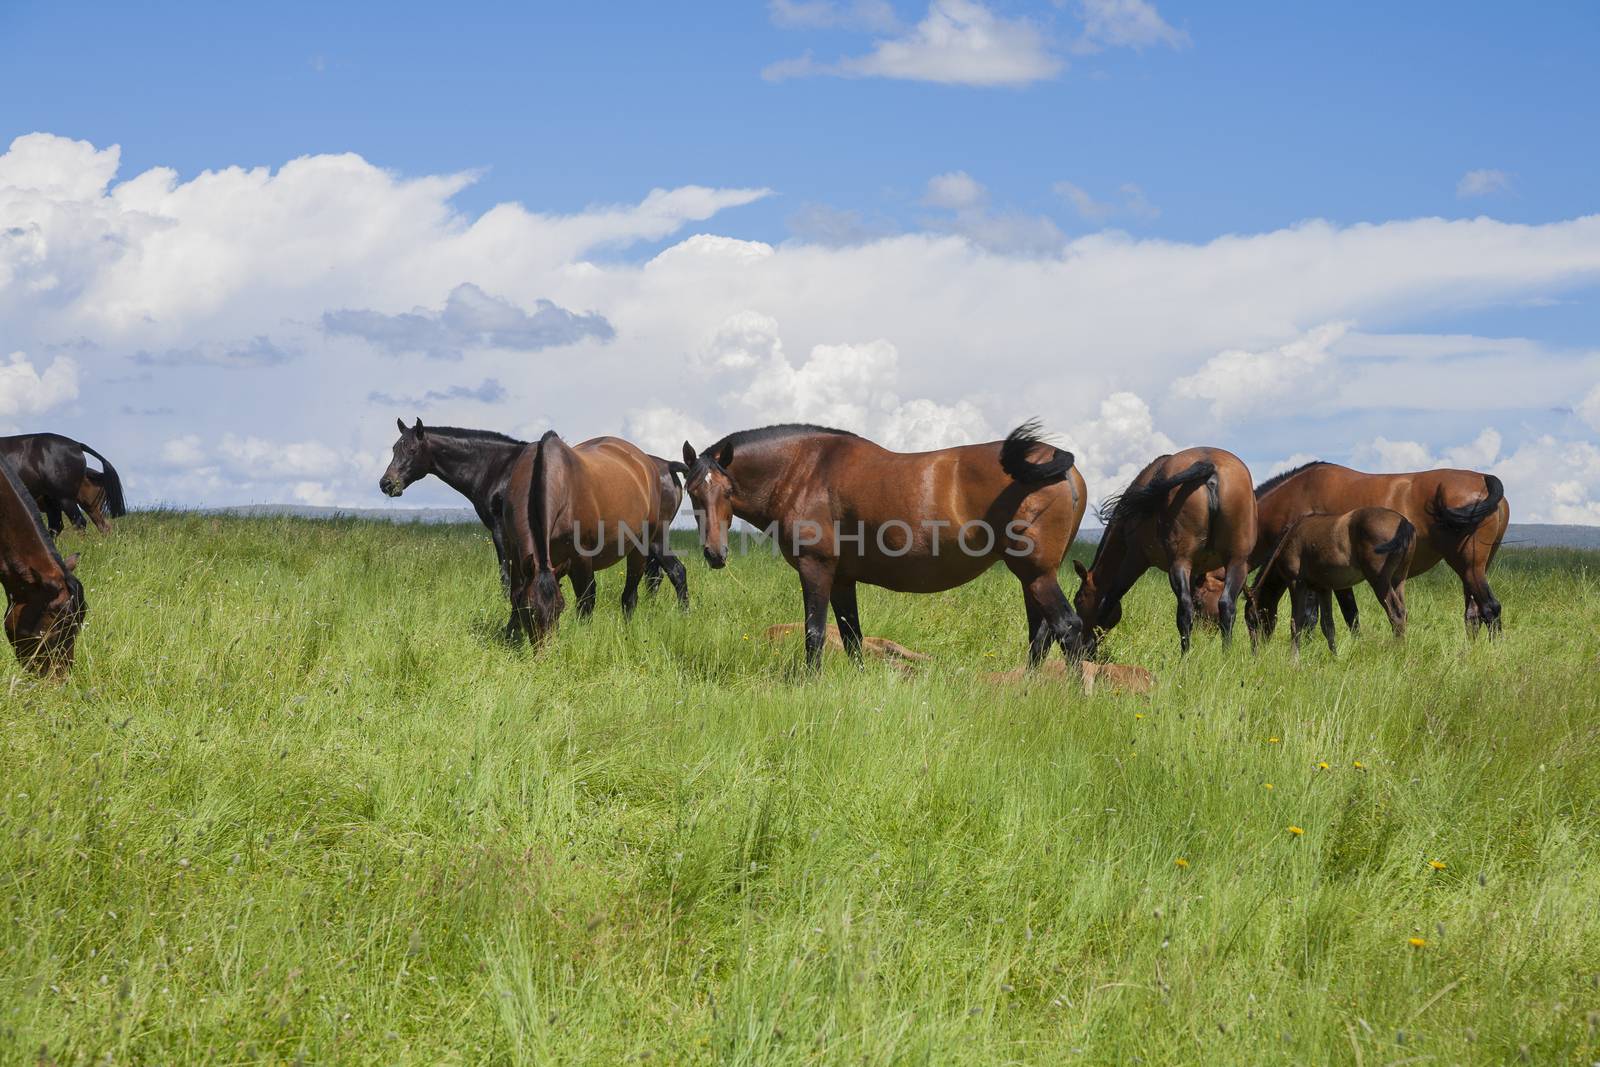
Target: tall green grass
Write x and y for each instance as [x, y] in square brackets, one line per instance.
[298, 802]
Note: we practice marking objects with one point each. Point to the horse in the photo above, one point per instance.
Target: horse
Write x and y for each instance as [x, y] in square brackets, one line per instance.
[577, 509]
[845, 511]
[476, 464]
[54, 470]
[1460, 516]
[669, 474]
[1162, 520]
[1319, 554]
[45, 604]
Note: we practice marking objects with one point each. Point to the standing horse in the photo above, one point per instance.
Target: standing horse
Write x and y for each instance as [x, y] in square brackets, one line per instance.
[44, 599]
[576, 510]
[1460, 516]
[1321, 554]
[1162, 520]
[844, 510]
[54, 470]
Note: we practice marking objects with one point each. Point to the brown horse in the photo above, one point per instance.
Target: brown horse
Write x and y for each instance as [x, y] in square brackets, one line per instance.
[44, 599]
[1320, 554]
[844, 510]
[668, 475]
[576, 510]
[1460, 516]
[1162, 520]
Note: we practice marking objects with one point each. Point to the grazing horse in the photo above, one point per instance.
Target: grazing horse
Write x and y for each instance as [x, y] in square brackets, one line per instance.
[1320, 554]
[576, 510]
[669, 474]
[844, 510]
[1163, 520]
[1460, 516]
[54, 470]
[44, 599]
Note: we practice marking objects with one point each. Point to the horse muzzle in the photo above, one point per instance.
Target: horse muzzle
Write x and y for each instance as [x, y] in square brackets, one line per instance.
[717, 560]
[390, 486]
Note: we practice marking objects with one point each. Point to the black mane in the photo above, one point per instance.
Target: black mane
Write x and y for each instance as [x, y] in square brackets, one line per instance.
[472, 435]
[775, 432]
[1278, 479]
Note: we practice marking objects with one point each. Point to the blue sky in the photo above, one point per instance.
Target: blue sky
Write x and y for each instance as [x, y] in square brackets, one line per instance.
[1164, 126]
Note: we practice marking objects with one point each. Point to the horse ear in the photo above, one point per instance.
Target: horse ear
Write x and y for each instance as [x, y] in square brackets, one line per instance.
[1077, 565]
[725, 457]
[400, 423]
[417, 429]
[71, 562]
[689, 454]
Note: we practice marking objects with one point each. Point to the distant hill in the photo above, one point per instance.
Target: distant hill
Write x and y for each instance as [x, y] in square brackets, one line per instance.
[1527, 534]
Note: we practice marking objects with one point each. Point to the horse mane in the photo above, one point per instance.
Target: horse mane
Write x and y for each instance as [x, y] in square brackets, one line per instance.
[1278, 479]
[473, 435]
[30, 509]
[775, 432]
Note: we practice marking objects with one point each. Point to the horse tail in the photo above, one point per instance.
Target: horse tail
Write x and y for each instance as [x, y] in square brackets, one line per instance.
[1015, 462]
[677, 472]
[1466, 518]
[1140, 499]
[546, 589]
[1404, 536]
[112, 484]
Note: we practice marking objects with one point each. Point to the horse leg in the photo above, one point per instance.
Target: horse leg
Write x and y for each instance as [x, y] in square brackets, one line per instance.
[816, 588]
[1325, 611]
[844, 610]
[1393, 598]
[652, 574]
[1302, 614]
[630, 587]
[1179, 578]
[678, 577]
[97, 516]
[1038, 629]
[74, 514]
[1232, 582]
[1483, 597]
[583, 587]
[1347, 608]
[52, 514]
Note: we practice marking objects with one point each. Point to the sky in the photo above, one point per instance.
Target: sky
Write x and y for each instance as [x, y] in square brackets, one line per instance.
[238, 241]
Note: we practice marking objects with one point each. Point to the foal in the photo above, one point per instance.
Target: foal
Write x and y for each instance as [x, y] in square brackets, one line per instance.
[1323, 554]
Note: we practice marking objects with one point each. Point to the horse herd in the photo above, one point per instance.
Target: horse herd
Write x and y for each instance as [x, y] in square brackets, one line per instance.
[844, 511]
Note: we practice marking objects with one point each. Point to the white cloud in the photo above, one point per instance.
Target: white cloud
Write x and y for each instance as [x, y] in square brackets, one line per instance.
[1483, 183]
[1237, 382]
[1110, 449]
[25, 391]
[954, 191]
[1589, 408]
[661, 430]
[471, 318]
[1006, 232]
[1127, 24]
[828, 14]
[958, 42]
[184, 451]
[1133, 202]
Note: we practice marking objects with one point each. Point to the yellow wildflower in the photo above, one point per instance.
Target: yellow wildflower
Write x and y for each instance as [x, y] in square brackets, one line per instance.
[1181, 862]
[1358, 765]
[1322, 765]
[1416, 942]
[1138, 715]
[1437, 865]
[1266, 785]
[1296, 831]
[1272, 740]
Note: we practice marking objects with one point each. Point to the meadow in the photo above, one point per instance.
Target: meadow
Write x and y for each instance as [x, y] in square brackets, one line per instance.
[299, 803]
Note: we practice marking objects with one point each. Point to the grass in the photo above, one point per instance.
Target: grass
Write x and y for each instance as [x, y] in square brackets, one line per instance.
[297, 803]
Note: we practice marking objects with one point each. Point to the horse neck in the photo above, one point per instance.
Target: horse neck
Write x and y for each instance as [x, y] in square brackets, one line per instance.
[28, 561]
[758, 472]
[1116, 561]
[471, 466]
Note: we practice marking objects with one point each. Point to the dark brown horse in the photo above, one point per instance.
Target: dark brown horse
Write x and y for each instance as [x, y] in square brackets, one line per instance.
[1183, 514]
[576, 510]
[1320, 554]
[44, 599]
[843, 510]
[55, 472]
[1460, 516]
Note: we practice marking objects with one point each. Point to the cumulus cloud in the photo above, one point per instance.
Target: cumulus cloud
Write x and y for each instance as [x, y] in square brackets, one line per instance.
[24, 390]
[954, 190]
[488, 391]
[662, 430]
[1131, 203]
[1589, 408]
[1483, 183]
[1006, 232]
[1115, 445]
[1237, 382]
[471, 318]
[958, 42]
[1132, 24]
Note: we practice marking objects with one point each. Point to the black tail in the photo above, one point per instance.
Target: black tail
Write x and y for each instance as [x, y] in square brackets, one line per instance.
[679, 471]
[547, 590]
[1139, 499]
[1400, 542]
[112, 484]
[1015, 462]
[1465, 519]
